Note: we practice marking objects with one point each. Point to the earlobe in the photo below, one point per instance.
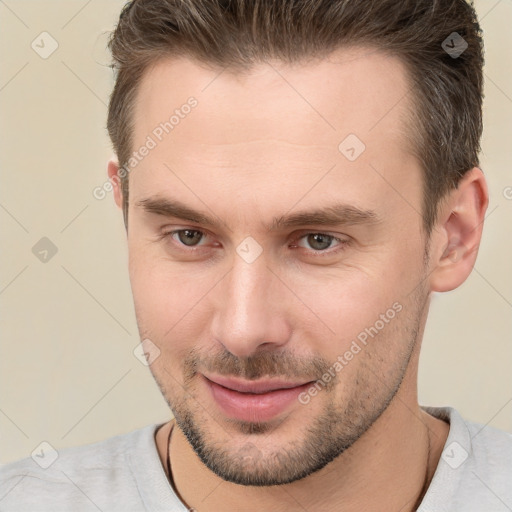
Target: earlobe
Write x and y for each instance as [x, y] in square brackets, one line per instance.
[458, 232]
[115, 180]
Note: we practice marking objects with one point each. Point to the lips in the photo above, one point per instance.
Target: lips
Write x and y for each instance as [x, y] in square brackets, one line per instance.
[254, 401]
[257, 387]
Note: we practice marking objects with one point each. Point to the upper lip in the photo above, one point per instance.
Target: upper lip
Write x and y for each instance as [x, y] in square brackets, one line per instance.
[259, 386]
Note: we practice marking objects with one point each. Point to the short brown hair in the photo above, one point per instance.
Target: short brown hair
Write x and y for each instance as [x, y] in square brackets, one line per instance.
[446, 87]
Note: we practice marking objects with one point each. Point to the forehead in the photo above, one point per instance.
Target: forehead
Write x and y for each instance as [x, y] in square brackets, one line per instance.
[276, 123]
[355, 90]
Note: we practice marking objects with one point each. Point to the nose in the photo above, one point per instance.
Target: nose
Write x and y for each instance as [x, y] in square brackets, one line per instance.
[251, 309]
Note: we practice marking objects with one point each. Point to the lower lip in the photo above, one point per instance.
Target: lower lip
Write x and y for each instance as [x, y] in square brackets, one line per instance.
[254, 407]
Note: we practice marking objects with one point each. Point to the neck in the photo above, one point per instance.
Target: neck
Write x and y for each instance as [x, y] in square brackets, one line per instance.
[389, 468]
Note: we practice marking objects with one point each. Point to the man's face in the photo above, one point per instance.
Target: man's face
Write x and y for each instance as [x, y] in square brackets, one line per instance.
[257, 300]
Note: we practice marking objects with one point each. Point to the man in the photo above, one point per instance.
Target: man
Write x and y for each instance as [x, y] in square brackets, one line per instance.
[297, 177]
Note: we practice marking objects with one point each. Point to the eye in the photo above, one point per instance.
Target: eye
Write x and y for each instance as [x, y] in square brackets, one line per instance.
[186, 237]
[320, 242]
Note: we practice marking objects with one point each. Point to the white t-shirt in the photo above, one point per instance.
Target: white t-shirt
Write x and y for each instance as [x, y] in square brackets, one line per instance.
[124, 473]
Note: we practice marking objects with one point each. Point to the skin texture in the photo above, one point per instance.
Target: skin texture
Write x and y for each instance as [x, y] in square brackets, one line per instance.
[262, 145]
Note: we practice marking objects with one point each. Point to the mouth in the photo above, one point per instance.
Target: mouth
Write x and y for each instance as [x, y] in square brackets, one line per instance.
[254, 401]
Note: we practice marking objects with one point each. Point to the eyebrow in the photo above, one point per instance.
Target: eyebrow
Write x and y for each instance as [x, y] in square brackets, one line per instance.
[337, 214]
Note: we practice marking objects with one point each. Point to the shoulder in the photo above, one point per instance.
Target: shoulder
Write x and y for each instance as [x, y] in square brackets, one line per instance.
[71, 478]
[486, 437]
[486, 448]
[475, 469]
[491, 456]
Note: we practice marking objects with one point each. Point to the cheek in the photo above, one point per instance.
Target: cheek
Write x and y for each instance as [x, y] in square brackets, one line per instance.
[161, 296]
[168, 297]
[359, 305]
[346, 302]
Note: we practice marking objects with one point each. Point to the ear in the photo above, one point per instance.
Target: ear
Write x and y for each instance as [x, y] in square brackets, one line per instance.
[458, 231]
[114, 178]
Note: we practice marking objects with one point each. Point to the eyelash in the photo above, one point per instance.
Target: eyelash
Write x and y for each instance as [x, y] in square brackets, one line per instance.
[318, 253]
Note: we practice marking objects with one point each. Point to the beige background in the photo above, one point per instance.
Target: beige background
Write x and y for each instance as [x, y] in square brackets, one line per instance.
[67, 370]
